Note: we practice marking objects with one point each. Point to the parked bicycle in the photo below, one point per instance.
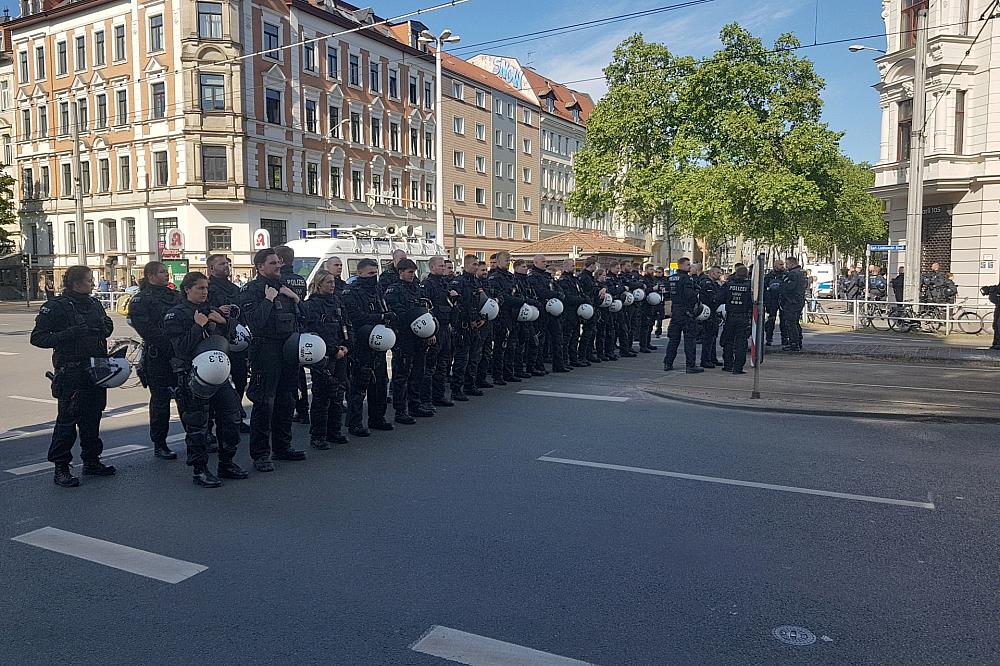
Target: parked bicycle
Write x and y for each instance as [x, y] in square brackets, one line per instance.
[133, 354]
[816, 313]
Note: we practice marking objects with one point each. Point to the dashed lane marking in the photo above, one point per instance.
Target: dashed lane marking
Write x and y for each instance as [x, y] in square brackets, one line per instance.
[110, 554]
[108, 453]
[745, 484]
[47, 401]
[473, 650]
[3, 353]
[578, 396]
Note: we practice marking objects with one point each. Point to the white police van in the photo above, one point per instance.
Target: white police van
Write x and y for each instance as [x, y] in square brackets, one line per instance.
[352, 244]
[825, 278]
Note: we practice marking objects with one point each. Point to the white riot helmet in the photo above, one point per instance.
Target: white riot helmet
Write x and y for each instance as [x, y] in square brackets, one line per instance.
[639, 295]
[554, 307]
[382, 338]
[304, 348]
[535, 314]
[491, 308]
[606, 303]
[721, 310]
[423, 326]
[585, 311]
[628, 298]
[704, 314]
[109, 372]
[616, 306]
[209, 371]
[241, 339]
[654, 298]
[524, 314]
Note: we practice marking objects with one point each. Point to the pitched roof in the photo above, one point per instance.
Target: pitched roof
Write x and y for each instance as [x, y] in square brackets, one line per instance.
[586, 242]
[488, 79]
[565, 98]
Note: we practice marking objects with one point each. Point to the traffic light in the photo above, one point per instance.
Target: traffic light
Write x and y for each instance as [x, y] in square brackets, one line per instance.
[26, 260]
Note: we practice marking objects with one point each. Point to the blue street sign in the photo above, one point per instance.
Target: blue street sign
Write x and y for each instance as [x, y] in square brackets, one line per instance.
[886, 248]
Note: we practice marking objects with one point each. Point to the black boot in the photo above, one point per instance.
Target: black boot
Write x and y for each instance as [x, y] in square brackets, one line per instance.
[163, 452]
[205, 479]
[319, 443]
[359, 432]
[98, 469]
[336, 439]
[230, 470]
[289, 454]
[64, 477]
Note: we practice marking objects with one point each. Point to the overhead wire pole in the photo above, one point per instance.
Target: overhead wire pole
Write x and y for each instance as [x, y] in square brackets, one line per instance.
[81, 239]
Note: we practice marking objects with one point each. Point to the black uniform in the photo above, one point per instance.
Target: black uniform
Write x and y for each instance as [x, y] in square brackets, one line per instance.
[504, 333]
[877, 287]
[632, 281]
[551, 327]
[525, 331]
[710, 327]
[184, 334]
[146, 312]
[772, 292]
[369, 376]
[994, 296]
[409, 356]
[325, 316]
[223, 292]
[588, 287]
[297, 284]
[660, 313]
[389, 277]
[273, 380]
[434, 288]
[897, 287]
[792, 300]
[647, 314]
[615, 327]
[684, 298]
[76, 328]
[737, 296]
[467, 341]
[573, 298]
[487, 340]
[932, 287]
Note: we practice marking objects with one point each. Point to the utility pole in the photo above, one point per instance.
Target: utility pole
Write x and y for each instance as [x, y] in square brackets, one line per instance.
[81, 237]
[915, 192]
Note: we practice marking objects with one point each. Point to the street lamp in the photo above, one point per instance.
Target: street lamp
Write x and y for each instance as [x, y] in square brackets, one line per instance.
[858, 48]
[446, 37]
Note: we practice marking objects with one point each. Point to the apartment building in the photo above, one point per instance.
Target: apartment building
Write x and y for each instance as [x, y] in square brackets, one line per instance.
[215, 118]
[961, 219]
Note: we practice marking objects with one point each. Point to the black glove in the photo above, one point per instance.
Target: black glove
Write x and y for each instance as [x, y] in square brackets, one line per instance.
[78, 331]
[389, 318]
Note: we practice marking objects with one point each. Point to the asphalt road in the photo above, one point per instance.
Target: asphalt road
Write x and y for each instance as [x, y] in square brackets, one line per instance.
[878, 537]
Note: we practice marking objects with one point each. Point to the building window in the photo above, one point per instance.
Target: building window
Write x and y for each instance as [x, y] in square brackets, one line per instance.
[335, 188]
[394, 137]
[63, 119]
[459, 192]
[376, 133]
[550, 104]
[510, 171]
[510, 141]
[354, 70]
[413, 90]
[355, 127]
[311, 117]
[498, 107]
[91, 238]
[309, 56]
[99, 48]
[428, 144]
[959, 121]
[457, 89]
[414, 141]
[481, 196]
[61, 58]
[429, 192]
[334, 112]
[459, 226]
[458, 124]
[66, 187]
[27, 184]
[274, 173]
[498, 169]
[312, 178]
[214, 166]
[480, 227]
[272, 106]
[81, 114]
[272, 40]
[26, 123]
[498, 138]
[81, 53]
[480, 132]
[121, 100]
[120, 52]
[394, 84]
[527, 120]
[357, 185]
[218, 240]
[103, 175]
[527, 204]
[910, 8]
[159, 93]
[39, 62]
[510, 111]
[480, 164]
[130, 234]
[101, 104]
[213, 92]
[905, 127]
[332, 62]
[277, 229]
[428, 95]
[8, 150]
[414, 193]
[525, 232]
[85, 177]
[527, 146]
[44, 187]
[526, 175]
[394, 190]
[459, 158]
[160, 169]
[481, 99]
[377, 188]
[156, 33]
[210, 20]
[498, 199]
[496, 230]
[510, 202]
[23, 66]
[71, 237]
[375, 77]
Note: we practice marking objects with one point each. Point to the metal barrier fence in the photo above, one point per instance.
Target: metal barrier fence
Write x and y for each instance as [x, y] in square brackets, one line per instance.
[948, 318]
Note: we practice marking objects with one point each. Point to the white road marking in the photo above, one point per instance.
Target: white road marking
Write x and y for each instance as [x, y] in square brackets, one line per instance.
[179, 437]
[3, 353]
[108, 453]
[12, 434]
[578, 396]
[114, 555]
[47, 401]
[473, 650]
[745, 484]
[133, 412]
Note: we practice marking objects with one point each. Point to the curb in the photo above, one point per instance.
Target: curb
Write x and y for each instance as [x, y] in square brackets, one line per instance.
[758, 408]
[988, 363]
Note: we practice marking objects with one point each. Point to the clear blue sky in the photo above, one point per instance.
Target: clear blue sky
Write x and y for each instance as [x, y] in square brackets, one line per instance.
[851, 103]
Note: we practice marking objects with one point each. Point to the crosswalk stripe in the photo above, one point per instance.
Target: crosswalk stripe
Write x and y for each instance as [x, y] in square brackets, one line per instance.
[108, 453]
[472, 650]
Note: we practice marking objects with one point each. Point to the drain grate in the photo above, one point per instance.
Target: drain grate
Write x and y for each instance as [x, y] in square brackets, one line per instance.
[792, 635]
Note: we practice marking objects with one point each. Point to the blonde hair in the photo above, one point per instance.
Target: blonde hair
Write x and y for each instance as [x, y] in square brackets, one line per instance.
[317, 280]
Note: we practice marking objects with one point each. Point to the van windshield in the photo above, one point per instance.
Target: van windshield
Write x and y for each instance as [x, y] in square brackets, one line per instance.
[304, 265]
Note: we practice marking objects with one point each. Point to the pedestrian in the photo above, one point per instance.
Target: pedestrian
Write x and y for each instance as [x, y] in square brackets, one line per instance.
[772, 290]
[368, 374]
[550, 342]
[435, 288]
[409, 356]
[325, 316]
[224, 295]
[737, 297]
[193, 326]
[146, 312]
[501, 282]
[49, 287]
[468, 321]
[270, 309]
[684, 299]
[993, 293]
[792, 299]
[76, 328]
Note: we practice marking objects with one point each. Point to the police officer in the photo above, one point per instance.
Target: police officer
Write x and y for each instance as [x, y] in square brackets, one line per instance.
[772, 290]
[632, 280]
[501, 282]
[602, 339]
[660, 313]
[335, 265]
[897, 284]
[187, 325]
[410, 353]
[993, 293]
[616, 326]
[325, 317]
[76, 328]
[468, 321]
[369, 376]
[684, 298]
[573, 298]
[588, 287]
[146, 311]
[486, 331]
[932, 284]
[525, 332]
[222, 295]
[709, 285]
[270, 309]
[647, 312]
[390, 275]
[737, 295]
[877, 285]
[435, 288]
[544, 284]
[792, 298]
[297, 284]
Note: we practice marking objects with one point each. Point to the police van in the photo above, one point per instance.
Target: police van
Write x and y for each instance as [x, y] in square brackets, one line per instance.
[825, 277]
[352, 244]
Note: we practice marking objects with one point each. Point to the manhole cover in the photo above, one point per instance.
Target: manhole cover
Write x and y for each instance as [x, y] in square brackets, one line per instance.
[792, 635]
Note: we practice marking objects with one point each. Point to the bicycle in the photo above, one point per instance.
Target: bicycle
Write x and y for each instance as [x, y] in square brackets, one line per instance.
[816, 312]
[132, 353]
[876, 316]
[968, 321]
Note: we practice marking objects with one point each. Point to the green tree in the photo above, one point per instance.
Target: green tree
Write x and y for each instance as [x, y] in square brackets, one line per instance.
[8, 213]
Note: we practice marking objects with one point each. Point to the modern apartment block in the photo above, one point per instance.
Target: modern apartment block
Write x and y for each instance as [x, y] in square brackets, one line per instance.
[961, 217]
[216, 118]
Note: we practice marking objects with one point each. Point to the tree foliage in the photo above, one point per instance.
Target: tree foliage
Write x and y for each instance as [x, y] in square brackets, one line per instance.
[734, 145]
[8, 213]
